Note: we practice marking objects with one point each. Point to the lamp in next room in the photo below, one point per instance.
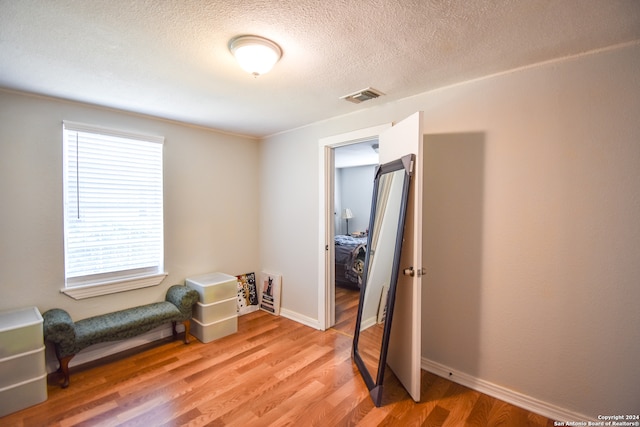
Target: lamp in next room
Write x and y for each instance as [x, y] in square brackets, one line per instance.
[256, 55]
[347, 214]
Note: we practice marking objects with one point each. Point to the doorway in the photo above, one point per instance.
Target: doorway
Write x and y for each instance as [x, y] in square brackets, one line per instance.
[355, 166]
[332, 222]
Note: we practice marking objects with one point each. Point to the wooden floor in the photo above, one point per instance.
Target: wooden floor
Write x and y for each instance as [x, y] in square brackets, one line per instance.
[346, 309]
[274, 371]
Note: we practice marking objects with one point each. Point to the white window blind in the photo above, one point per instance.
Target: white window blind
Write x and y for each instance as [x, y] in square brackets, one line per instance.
[113, 206]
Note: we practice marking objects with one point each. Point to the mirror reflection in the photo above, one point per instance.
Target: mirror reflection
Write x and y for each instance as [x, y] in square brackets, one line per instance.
[375, 311]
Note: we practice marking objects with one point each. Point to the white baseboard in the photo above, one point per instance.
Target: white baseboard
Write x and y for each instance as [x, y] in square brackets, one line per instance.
[499, 392]
[297, 317]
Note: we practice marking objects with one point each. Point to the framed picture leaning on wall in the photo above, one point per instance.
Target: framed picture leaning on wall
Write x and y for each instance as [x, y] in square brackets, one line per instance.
[247, 293]
[270, 285]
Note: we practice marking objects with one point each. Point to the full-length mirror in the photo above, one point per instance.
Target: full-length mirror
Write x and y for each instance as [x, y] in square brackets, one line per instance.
[382, 266]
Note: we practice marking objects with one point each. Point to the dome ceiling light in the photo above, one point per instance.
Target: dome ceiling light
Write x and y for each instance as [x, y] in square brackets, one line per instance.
[256, 55]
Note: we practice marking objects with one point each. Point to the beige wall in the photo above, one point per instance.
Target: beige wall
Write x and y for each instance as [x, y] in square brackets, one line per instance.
[210, 200]
[534, 241]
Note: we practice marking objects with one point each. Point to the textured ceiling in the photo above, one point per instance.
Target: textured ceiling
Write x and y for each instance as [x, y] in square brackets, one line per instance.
[169, 58]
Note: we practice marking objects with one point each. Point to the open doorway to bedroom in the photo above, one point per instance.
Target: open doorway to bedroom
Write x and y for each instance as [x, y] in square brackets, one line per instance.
[331, 218]
[354, 171]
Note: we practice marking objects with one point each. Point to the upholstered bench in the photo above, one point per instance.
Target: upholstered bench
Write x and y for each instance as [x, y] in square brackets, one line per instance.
[70, 337]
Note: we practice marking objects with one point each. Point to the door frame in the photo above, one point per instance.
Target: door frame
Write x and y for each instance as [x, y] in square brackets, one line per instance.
[326, 167]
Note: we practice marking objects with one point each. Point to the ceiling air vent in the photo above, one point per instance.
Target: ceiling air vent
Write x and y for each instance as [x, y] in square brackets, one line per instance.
[362, 95]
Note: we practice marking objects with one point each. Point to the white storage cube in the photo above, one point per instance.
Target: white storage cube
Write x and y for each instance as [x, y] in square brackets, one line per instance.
[212, 331]
[23, 377]
[212, 312]
[23, 395]
[20, 331]
[214, 287]
[22, 367]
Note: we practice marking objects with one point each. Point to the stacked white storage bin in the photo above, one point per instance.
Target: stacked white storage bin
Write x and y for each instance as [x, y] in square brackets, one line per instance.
[23, 376]
[215, 316]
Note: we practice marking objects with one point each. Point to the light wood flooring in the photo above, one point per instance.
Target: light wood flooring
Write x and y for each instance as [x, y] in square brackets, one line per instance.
[273, 372]
[346, 309]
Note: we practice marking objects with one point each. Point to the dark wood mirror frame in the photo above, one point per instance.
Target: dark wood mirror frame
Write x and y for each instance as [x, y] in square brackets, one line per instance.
[365, 357]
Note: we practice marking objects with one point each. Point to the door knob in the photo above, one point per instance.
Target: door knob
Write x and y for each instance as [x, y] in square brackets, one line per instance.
[411, 272]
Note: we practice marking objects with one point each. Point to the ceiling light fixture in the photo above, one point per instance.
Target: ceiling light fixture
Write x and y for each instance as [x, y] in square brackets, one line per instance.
[256, 55]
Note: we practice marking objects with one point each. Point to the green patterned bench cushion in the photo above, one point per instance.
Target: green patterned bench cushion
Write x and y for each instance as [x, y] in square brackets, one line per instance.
[124, 324]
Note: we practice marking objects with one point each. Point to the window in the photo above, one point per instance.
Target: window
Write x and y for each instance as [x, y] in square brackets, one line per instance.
[113, 213]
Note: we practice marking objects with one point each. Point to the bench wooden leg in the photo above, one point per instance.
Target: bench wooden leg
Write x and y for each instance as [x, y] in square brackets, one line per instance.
[187, 328]
[64, 368]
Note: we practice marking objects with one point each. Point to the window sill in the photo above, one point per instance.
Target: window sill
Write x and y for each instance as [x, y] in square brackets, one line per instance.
[97, 289]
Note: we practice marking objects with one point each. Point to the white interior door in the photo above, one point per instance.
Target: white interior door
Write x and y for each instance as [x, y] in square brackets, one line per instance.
[404, 353]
